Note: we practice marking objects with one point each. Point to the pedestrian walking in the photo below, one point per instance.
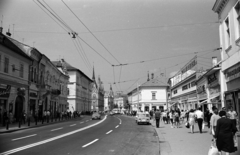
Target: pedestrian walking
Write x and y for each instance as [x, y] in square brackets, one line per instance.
[48, 116]
[225, 131]
[173, 119]
[192, 120]
[157, 117]
[232, 115]
[199, 116]
[208, 117]
[213, 120]
[177, 120]
[23, 116]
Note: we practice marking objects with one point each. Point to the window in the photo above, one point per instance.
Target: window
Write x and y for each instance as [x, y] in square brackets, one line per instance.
[6, 64]
[175, 91]
[185, 87]
[193, 83]
[21, 70]
[35, 75]
[227, 33]
[153, 95]
[31, 74]
[237, 16]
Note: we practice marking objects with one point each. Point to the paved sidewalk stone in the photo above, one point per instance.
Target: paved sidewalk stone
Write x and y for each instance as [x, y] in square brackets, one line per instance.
[180, 141]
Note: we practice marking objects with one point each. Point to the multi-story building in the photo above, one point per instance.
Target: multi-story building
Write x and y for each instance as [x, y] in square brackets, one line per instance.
[208, 87]
[79, 87]
[183, 87]
[14, 73]
[229, 32]
[151, 95]
[108, 99]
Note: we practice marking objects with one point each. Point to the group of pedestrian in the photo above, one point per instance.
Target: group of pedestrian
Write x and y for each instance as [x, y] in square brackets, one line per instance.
[223, 128]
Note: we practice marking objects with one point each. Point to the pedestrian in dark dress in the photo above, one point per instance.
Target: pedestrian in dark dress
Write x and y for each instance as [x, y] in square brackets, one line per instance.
[225, 131]
[157, 117]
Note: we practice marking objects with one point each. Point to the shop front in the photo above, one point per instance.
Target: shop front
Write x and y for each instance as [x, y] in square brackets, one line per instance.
[232, 95]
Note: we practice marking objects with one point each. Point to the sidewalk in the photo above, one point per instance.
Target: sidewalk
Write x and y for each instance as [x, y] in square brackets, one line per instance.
[14, 127]
[180, 141]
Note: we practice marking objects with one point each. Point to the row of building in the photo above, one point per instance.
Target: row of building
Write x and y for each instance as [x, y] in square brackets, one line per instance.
[30, 82]
[192, 87]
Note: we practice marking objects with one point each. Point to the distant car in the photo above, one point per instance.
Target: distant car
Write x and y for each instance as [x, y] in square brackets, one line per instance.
[111, 113]
[96, 115]
[142, 118]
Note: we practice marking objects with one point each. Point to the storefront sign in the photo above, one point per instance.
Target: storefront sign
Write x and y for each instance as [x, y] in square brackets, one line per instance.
[233, 73]
[5, 92]
[185, 72]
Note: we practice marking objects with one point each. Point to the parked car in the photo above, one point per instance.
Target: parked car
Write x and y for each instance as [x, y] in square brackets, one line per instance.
[142, 118]
[96, 115]
[111, 113]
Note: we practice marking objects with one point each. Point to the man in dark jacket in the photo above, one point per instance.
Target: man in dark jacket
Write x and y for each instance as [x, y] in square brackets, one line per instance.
[157, 117]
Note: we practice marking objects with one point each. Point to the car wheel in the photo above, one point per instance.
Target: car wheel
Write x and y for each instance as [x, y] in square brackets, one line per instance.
[138, 123]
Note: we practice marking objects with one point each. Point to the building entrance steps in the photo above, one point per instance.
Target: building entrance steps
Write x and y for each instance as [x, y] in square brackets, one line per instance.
[180, 141]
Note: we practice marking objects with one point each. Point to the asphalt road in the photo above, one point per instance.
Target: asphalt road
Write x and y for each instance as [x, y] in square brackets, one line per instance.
[118, 135]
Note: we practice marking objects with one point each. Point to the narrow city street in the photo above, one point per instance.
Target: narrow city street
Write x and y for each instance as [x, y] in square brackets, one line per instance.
[112, 135]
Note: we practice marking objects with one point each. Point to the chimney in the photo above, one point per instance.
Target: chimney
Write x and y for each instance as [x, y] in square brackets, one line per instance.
[152, 75]
[214, 61]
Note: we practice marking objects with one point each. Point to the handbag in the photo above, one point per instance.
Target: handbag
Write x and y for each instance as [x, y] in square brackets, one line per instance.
[235, 140]
[187, 125]
[213, 149]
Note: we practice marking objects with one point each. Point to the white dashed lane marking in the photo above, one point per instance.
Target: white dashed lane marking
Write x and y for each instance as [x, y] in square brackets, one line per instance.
[117, 126]
[56, 129]
[90, 143]
[81, 122]
[24, 137]
[109, 132]
[73, 125]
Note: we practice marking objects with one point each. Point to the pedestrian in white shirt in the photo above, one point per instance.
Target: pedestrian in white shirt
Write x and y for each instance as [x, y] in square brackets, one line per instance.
[199, 115]
[232, 115]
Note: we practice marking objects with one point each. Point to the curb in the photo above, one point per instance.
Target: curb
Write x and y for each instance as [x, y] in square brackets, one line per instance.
[35, 126]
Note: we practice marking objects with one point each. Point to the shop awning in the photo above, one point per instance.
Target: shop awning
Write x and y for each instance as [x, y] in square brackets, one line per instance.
[214, 96]
[172, 104]
[203, 102]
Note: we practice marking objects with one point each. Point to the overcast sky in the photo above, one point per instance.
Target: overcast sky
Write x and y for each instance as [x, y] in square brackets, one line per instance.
[170, 31]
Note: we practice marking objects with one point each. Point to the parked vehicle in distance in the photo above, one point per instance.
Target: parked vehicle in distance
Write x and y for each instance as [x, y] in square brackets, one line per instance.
[96, 115]
[116, 111]
[142, 118]
[111, 113]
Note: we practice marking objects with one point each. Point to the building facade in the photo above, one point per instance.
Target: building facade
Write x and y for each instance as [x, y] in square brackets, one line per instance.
[14, 74]
[79, 87]
[229, 32]
[97, 94]
[108, 99]
[151, 95]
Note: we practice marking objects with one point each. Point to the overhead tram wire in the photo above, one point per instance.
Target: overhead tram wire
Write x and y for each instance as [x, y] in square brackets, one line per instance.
[90, 32]
[50, 16]
[59, 20]
[74, 33]
[82, 51]
[144, 61]
[116, 30]
[95, 51]
[58, 16]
